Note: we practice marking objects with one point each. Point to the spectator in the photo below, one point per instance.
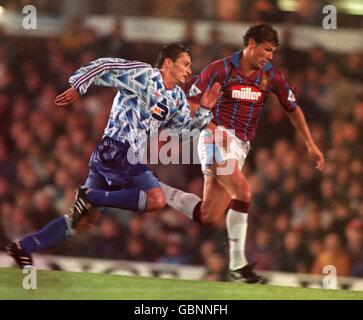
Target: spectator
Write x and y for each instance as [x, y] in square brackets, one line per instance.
[308, 12]
[265, 11]
[114, 44]
[43, 210]
[228, 10]
[135, 250]
[217, 269]
[108, 241]
[333, 254]
[262, 251]
[175, 251]
[354, 236]
[289, 258]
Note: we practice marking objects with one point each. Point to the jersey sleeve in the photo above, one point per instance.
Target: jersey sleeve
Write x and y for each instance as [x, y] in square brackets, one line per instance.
[104, 72]
[183, 120]
[283, 91]
[214, 72]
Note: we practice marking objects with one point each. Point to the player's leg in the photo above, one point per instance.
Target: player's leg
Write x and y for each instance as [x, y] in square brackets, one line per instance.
[239, 190]
[51, 234]
[231, 205]
[207, 211]
[214, 204]
[142, 194]
[132, 186]
[59, 229]
[146, 181]
[132, 199]
[190, 204]
[56, 231]
[231, 153]
[237, 186]
[183, 202]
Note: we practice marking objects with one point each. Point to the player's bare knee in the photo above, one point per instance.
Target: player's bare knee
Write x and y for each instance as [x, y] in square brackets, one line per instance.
[161, 201]
[155, 200]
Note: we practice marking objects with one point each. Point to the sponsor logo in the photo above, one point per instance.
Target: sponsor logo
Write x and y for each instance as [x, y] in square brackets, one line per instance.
[291, 96]
[157, 110]
[246, 93]
[264, 83]
[194, 91]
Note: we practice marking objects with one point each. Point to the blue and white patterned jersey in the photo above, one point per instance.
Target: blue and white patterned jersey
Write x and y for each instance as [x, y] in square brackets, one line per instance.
[142, 104]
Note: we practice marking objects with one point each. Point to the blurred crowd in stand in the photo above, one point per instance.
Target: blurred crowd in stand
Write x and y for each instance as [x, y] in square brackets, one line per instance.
[300, 220]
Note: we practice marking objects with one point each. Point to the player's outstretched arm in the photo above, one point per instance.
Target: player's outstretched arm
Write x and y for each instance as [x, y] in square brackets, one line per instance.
[104, 72]
[211, 96]
[298, 120]
[67, 97]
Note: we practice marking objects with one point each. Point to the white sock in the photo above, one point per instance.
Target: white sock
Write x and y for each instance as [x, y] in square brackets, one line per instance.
[181, 201]
[236, 223]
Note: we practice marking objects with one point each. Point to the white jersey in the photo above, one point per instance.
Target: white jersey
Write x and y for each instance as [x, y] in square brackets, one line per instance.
[142, 104]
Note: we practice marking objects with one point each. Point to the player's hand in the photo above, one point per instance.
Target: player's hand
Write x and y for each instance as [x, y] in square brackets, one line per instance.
[67, 97]
[317, 156]
[211, 96]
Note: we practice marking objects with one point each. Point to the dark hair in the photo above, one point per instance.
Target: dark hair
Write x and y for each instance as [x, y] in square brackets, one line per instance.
[171, 51]
[261, 33]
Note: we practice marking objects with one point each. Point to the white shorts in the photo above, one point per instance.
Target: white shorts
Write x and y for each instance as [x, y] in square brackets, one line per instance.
[212, 148]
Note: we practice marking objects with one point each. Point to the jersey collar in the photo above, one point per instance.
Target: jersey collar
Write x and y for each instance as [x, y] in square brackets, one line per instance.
[236, 58]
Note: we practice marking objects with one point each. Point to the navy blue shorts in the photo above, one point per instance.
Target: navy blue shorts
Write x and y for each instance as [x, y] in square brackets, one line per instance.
[110, 170]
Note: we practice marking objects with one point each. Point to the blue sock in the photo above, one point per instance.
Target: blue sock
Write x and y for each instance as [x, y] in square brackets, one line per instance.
[132, 199]
[54, 232]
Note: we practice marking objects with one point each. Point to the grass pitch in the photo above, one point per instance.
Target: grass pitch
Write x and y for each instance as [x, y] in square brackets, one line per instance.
[78, 286]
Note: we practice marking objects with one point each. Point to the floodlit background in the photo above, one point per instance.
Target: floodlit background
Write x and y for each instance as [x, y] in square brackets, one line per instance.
[300, 219]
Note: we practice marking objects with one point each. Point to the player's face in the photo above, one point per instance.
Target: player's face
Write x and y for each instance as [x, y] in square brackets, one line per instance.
[262, 53]
[180, 70]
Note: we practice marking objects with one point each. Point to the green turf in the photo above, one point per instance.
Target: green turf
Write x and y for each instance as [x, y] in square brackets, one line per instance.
[73, 285]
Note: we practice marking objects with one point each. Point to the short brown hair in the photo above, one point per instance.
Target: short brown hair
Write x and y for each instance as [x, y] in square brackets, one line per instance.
[261, 33]
[171, 51]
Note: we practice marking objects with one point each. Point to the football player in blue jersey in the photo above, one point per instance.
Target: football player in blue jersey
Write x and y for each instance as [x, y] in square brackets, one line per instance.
[148, 99]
